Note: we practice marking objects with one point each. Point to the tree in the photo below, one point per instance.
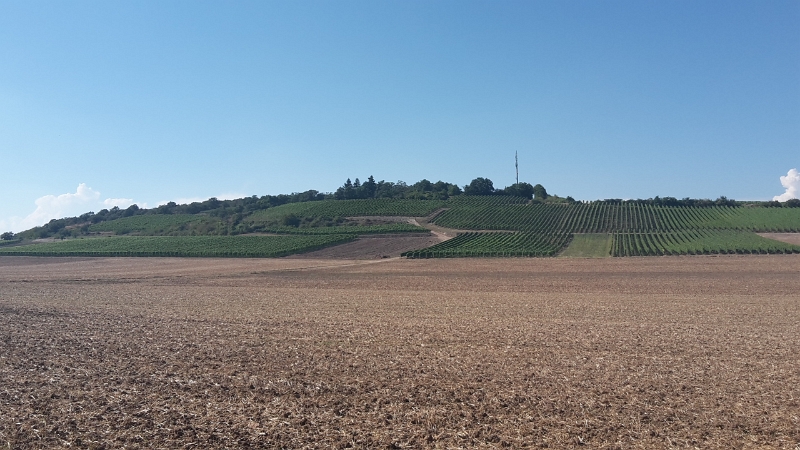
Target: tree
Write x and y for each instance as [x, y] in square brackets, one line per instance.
[7, 236]
[539, 192]
[369, 187]
[453, 189]
[291, 220]
[520, 190]
[479, 186]
[725, 201]
[131, 210]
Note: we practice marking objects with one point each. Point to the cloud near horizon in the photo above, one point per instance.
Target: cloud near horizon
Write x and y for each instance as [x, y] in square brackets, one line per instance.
[83, 200]
[792, 184]
[49, 207]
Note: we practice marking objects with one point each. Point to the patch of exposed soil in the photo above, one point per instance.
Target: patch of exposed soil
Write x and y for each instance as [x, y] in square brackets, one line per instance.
[379, 220]
[789, 238]
[689, 352]
[373, 247]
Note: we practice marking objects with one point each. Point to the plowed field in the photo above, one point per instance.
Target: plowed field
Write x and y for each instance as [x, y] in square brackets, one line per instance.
[622, 353]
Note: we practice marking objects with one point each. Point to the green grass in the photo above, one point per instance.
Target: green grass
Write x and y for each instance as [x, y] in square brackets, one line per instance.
[597, 245]
[330, 209]
[159, 225]
[208, 246]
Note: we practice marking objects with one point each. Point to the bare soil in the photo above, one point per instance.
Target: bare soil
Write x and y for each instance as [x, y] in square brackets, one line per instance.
[697, 352]
[789, 238]
[373, 247]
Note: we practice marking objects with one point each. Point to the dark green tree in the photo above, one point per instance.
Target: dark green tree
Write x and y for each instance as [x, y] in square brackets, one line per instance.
[291, 220]
[520, 190]
[369, 187]
[479, 186]
[7, 236]
[539, 192]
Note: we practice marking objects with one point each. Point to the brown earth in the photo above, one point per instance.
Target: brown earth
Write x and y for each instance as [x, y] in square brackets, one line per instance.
[789, 238]
[698, 352]
[373, 247]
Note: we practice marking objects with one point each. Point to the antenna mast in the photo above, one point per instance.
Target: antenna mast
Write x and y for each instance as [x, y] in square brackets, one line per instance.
[516, 164]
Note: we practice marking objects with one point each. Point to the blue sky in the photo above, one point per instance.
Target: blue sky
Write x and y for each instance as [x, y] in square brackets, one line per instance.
[105, 103]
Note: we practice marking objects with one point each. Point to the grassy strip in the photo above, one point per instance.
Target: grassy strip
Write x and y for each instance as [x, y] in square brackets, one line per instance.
[350, 208]
[203, 246]
[589, 246]
[158, 224]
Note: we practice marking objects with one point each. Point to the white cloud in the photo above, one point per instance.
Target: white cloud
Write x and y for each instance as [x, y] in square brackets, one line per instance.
[792, 184]
[49, 207]
[57, 206]
[83, 200]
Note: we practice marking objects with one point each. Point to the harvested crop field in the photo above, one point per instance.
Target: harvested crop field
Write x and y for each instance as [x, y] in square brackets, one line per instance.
[458, 353]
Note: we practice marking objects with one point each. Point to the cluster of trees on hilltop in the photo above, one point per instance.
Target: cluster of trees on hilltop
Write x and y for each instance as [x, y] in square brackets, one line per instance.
[484, 186]
[427, 190]
[421, 190]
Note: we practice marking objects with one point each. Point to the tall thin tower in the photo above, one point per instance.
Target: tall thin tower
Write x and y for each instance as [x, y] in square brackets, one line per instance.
[516, 164]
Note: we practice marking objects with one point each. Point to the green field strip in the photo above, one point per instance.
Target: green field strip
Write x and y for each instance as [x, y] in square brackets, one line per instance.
[590, 245]
[350, 208]
[203, 246]
[157, 224]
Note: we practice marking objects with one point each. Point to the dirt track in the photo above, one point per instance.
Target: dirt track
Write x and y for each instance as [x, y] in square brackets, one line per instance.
[192, 353]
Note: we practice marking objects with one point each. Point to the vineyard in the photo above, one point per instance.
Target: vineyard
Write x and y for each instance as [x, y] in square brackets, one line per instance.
[636, 229]
[495, 244]
[601, 217]
[696, 242]
[496, 225]
[207, 246]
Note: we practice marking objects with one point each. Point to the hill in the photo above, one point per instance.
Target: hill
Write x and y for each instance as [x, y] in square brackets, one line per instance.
[485, 225]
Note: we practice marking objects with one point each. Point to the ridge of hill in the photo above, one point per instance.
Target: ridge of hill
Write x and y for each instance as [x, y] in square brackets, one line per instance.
[499, 223]
[526, 227]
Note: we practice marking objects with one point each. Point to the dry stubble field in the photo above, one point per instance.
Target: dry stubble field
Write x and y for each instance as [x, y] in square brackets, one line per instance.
[194, 353]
